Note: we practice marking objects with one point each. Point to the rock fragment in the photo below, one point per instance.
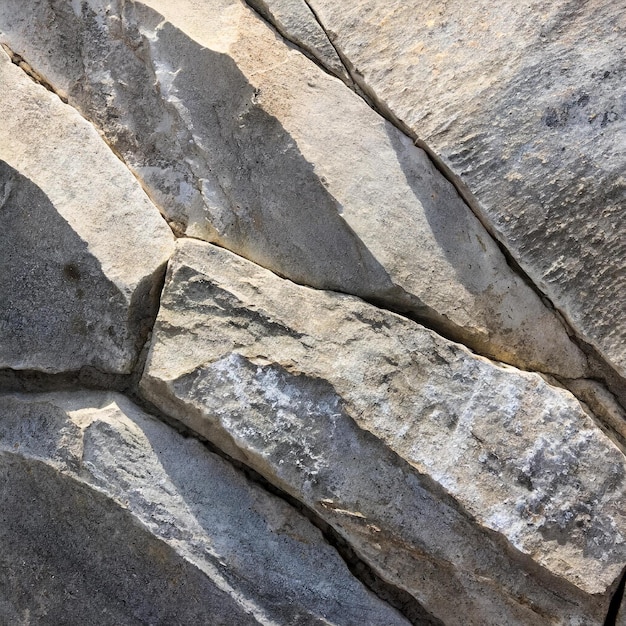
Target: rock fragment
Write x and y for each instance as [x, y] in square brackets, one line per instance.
[111, 517]
[82, 249]
[450, 475]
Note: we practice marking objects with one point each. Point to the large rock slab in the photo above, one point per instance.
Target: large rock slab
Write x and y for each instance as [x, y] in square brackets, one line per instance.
[243, 141]
[524, 102]
[450, 475]
[111, 517]
[82, 248]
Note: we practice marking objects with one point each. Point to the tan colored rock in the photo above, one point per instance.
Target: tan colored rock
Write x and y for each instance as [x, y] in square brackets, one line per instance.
[82, 249]
[295, 20]
[450, 475]
[524, 102]
[111, 517]
[242, 141]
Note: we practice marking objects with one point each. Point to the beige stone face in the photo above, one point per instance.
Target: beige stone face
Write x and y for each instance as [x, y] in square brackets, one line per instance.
[82, 248]
[245, 142]
[406, 443]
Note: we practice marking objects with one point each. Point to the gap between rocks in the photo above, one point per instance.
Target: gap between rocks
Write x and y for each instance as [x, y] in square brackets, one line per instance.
[604, 372]
[91, 379]
[616, 603]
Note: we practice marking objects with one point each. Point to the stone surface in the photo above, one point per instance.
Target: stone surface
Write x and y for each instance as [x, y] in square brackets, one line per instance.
[111, 517]
[82, 249]
[242, 141]
[525, 103]
[450, 475]
[295, 20]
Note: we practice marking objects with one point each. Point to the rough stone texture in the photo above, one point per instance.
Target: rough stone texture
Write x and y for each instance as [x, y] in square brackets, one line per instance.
[82, 249]
[294, 19]
[111, 517]
[452, 476]
[243, 141]
[525, 103]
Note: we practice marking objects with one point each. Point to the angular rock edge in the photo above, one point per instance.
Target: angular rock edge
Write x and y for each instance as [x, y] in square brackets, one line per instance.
[199, 301]
[180, 494]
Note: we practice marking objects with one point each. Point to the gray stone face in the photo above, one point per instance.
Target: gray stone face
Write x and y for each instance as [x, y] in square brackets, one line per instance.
[82, 249]
[525, 103]
[244, 142]
[336, 235]
[108, 516]
[448, 473]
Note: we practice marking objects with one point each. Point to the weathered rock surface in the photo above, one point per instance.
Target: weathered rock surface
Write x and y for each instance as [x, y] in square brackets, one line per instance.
[525, 103]
[243, 141]
[111, 517]
[82, 249]
[451, 476]
[294, 19]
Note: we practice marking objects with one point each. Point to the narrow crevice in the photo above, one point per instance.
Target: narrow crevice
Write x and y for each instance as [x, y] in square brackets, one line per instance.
[284, 34]
[602, 368]
[90, 378]
[39, 79]
[610, 421]
[18, 60]
[616, 603]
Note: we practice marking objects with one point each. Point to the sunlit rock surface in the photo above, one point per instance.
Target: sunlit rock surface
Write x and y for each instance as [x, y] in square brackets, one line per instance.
[525, 103]
[370, 418]
[82, 249]
[244, 142]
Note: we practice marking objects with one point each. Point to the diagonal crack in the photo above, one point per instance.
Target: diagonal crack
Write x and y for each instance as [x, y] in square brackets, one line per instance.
[603, 371]
[616, 603]
[38, 78]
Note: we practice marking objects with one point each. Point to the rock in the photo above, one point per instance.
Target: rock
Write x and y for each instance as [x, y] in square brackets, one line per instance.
[524, 103]
[83, 250]
[244, 142]
[295, 20]
[111, 517]
[450, 475]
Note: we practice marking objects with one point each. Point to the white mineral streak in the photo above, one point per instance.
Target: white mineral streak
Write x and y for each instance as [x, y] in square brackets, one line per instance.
[293, 381]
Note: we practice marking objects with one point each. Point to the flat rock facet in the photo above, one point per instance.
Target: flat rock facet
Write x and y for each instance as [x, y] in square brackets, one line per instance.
[82, 249]
[438, 465]
[109, 516]
[242, 141]
[524, 102]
